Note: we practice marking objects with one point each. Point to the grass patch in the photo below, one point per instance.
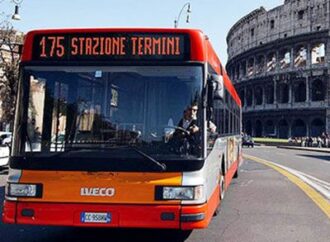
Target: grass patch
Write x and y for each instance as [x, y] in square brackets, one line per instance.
[270, 140]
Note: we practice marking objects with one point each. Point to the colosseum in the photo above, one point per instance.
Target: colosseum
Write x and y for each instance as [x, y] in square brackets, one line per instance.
[279, 62]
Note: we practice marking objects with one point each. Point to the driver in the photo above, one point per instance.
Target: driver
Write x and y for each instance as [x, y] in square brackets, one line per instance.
[189, 120]
[186, 136]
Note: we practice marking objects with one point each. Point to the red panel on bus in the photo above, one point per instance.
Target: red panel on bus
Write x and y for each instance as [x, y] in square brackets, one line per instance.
[138, 216]
[200, 48]
[9, 212]
[196, 39]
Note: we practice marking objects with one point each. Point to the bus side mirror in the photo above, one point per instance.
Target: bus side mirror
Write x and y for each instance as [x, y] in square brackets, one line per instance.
[218, 86]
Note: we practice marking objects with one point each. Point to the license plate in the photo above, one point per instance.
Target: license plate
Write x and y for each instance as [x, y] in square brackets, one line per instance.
[87, 217]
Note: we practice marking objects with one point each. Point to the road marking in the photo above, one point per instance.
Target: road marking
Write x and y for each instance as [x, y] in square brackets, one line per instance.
[246, 183]
[323, 183]
[303, 158]
[321, 186]
[321, 202]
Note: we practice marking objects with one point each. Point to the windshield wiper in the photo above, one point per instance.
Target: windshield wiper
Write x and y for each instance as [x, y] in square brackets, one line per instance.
[22, 128]
[158, 164]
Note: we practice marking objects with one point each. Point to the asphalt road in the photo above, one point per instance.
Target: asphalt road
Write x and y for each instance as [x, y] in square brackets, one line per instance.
[316, 164]
[261, 205]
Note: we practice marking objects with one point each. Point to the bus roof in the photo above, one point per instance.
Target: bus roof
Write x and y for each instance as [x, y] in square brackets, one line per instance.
[200, 48]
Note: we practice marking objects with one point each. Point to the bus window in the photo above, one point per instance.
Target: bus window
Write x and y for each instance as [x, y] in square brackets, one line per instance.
[35, 114]
[59, 115]
[73, 106]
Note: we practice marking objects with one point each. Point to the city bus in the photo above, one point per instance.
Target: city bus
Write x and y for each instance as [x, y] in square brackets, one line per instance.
[97, 140]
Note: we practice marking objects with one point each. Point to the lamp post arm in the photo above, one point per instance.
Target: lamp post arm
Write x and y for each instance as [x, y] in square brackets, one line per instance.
[17, 2]
[176, 21]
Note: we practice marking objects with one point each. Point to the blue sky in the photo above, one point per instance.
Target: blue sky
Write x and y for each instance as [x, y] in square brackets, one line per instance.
[214, 17]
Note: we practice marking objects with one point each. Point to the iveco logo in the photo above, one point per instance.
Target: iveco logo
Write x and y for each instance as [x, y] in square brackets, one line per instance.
[97, 191]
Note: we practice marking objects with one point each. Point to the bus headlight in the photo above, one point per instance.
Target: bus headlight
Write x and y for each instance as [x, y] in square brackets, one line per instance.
[179, 193]
[23, 190]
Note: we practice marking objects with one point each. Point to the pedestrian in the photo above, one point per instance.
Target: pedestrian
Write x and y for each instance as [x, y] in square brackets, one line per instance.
[319, 142]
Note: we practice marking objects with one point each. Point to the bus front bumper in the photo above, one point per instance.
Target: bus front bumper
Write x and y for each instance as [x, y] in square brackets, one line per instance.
[129, 216]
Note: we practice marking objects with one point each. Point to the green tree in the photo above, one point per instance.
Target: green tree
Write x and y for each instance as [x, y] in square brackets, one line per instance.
[10, 41]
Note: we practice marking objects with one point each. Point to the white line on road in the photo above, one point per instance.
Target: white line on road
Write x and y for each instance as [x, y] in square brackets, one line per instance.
[321, 186]
[310, 188]
[246, 183]
[304, 158]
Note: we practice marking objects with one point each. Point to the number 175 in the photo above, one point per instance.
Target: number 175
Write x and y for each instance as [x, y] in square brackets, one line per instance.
[56, 46]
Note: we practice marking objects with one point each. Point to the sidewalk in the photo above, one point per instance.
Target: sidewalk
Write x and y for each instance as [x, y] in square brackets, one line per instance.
[324, 150]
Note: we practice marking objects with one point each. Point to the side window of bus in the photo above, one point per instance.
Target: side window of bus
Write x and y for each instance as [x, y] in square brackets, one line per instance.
[219, 111]
[215, 125]
[225, 120]
[227, 115]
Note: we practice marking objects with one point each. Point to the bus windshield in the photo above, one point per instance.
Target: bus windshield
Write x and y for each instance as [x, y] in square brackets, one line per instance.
[72, 110]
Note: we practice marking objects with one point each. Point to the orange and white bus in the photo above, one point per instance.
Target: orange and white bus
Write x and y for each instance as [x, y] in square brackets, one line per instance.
[97, 139]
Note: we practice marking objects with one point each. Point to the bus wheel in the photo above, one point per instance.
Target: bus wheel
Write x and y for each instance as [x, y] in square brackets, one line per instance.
[236, 174]
[222, 186]
[217, 211]
[222, 194]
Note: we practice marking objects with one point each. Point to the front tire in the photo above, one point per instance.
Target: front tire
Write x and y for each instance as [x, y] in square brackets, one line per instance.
[222, 194]
[236, 174]
[222, 187]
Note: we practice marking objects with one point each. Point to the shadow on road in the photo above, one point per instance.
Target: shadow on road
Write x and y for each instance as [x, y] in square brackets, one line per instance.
[120, 235]
[320, 157]
[19, 233]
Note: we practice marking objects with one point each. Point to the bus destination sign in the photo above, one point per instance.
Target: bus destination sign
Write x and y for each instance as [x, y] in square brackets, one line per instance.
[111, 47]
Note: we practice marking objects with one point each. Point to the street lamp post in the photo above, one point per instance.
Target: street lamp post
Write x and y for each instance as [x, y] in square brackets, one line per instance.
[176, 21]
[16, 15]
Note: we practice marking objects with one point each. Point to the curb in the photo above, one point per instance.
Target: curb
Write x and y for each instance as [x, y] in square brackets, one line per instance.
[323, 150]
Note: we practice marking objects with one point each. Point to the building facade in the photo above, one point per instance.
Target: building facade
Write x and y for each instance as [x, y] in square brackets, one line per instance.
[279, 62]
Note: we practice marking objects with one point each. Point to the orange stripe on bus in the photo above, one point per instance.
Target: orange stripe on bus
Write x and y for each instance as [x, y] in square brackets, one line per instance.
[208, 209]
[129, 187]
